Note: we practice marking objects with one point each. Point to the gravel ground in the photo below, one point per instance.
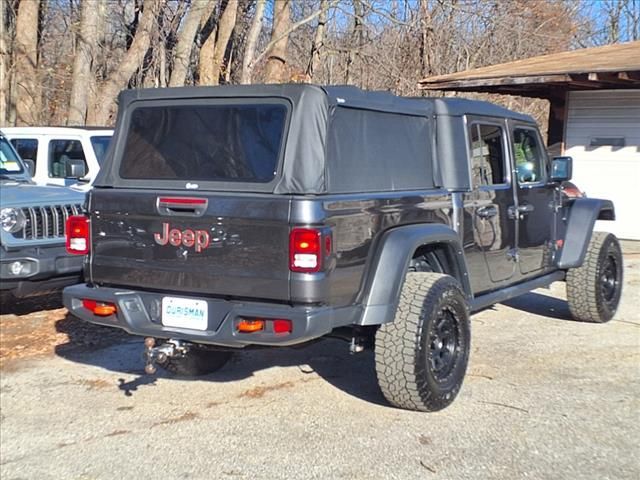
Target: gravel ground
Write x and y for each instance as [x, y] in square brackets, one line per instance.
[545, 397]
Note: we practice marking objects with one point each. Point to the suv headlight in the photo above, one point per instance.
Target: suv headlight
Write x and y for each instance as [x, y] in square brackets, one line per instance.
[12, 220]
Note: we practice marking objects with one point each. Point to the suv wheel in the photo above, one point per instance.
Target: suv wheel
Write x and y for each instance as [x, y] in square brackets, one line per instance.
[421, 357]
[594, 288]
[197, 362]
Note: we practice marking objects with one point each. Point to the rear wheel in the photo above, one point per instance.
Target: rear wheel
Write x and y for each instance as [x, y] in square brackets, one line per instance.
[422, 356]
[196, 362]
[594, 288]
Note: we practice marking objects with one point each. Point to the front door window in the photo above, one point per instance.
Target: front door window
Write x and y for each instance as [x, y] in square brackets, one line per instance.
[529, 156]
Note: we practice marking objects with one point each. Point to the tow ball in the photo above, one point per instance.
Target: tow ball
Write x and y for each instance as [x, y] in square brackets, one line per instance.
[154, 355]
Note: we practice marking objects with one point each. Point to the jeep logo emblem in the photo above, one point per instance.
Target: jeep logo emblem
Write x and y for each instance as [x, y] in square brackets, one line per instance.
[189, 238]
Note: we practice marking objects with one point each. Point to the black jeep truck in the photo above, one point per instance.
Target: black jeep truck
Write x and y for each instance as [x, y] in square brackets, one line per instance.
[232, 217]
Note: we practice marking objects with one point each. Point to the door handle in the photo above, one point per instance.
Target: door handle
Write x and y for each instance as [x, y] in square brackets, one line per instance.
[185, 206]
[487, 212]
[520, 211]
[526, 208]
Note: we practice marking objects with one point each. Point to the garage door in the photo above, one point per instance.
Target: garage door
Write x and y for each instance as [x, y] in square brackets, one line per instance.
[603, 137]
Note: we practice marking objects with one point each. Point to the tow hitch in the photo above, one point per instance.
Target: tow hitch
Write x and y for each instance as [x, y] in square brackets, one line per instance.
[154, 355]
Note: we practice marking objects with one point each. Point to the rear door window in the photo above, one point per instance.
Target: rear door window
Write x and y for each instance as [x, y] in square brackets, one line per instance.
[62, 153]
[488, 158]
[217, 142]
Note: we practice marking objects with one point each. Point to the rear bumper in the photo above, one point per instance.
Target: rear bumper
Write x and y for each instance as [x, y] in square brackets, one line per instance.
[44, 269]
[139, 312]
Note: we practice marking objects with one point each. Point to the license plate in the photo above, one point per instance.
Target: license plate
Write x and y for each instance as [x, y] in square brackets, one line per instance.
[185, 313]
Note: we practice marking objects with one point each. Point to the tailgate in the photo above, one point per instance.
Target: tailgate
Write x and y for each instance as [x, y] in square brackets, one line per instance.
[217, 244]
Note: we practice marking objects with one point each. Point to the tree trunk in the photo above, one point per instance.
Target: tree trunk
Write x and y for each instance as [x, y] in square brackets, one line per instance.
[318, 40]
[225, 29]
[5, 55]
[252, 41]
[425, 41]
[127, 66]
[26, 63]
[86, 42]
[182, 57]
[277, 56]
[215, 46]
[358, 37]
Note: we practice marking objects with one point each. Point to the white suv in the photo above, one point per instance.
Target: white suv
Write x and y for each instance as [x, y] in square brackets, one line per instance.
[59, 153]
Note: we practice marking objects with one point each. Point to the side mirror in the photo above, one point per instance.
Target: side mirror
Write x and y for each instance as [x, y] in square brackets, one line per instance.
[75, 169]
[31, 166]
[561, 169]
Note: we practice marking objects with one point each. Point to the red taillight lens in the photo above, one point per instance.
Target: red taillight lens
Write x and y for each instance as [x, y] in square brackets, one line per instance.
[77, 235]
[100, 309]
[281, 325]
[305, 250]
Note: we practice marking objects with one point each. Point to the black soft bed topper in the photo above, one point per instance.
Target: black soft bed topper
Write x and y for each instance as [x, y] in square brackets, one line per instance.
[337, 136]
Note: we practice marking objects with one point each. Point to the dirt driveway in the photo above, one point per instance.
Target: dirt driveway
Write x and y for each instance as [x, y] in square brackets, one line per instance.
[545, 397]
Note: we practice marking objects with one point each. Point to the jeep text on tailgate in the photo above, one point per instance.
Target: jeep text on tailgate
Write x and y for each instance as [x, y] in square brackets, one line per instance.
[232, 217]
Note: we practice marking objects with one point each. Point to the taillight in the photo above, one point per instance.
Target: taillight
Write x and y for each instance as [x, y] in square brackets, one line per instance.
[250, 325]
[100, 309]
[282, 325]
[77, 235]
[305, 250]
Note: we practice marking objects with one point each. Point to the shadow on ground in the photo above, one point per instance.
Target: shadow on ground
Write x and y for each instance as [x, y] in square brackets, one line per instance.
[25, 306]
[540, 304]
[114, 350]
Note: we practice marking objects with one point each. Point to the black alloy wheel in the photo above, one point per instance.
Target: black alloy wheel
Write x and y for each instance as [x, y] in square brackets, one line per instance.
[444, 344]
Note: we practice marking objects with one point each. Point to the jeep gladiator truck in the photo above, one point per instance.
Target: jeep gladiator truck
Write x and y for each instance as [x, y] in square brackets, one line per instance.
[239, 216]
[33, 258]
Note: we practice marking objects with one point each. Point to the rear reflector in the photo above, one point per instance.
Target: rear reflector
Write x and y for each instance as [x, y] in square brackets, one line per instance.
[250, 325]
[100, 309]
[77, 235]
[305, 251]
[281, 325]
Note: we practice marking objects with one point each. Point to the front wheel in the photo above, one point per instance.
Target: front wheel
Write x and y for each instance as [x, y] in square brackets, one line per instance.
[594, 288]
[421, 357]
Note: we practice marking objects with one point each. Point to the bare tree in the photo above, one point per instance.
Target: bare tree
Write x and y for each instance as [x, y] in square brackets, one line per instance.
[277, 56]
[215, 46]
[26, 63]
[182, 52]
[5, 64]
[225, 29]
[82, 76]
[358, 39]
[377, 44]
[252, 41]
[426, 31]
[315, 59]
[127, 66]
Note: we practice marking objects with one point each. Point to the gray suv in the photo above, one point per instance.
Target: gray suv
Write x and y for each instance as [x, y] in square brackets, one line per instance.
[33, 258]
[235, 217]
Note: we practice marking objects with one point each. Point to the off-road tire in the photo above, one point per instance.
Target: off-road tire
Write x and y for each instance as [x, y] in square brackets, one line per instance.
[594, 288]
[197, 362]
[406, 360]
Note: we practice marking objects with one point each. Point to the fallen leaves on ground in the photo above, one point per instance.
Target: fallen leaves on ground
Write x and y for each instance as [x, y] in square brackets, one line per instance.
[45, 332]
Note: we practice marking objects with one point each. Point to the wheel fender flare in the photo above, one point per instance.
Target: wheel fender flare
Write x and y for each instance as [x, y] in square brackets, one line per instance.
[392, 257]
[583, 214]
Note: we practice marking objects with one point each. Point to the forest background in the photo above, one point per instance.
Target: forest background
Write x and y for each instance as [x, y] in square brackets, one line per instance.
[63, 62]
